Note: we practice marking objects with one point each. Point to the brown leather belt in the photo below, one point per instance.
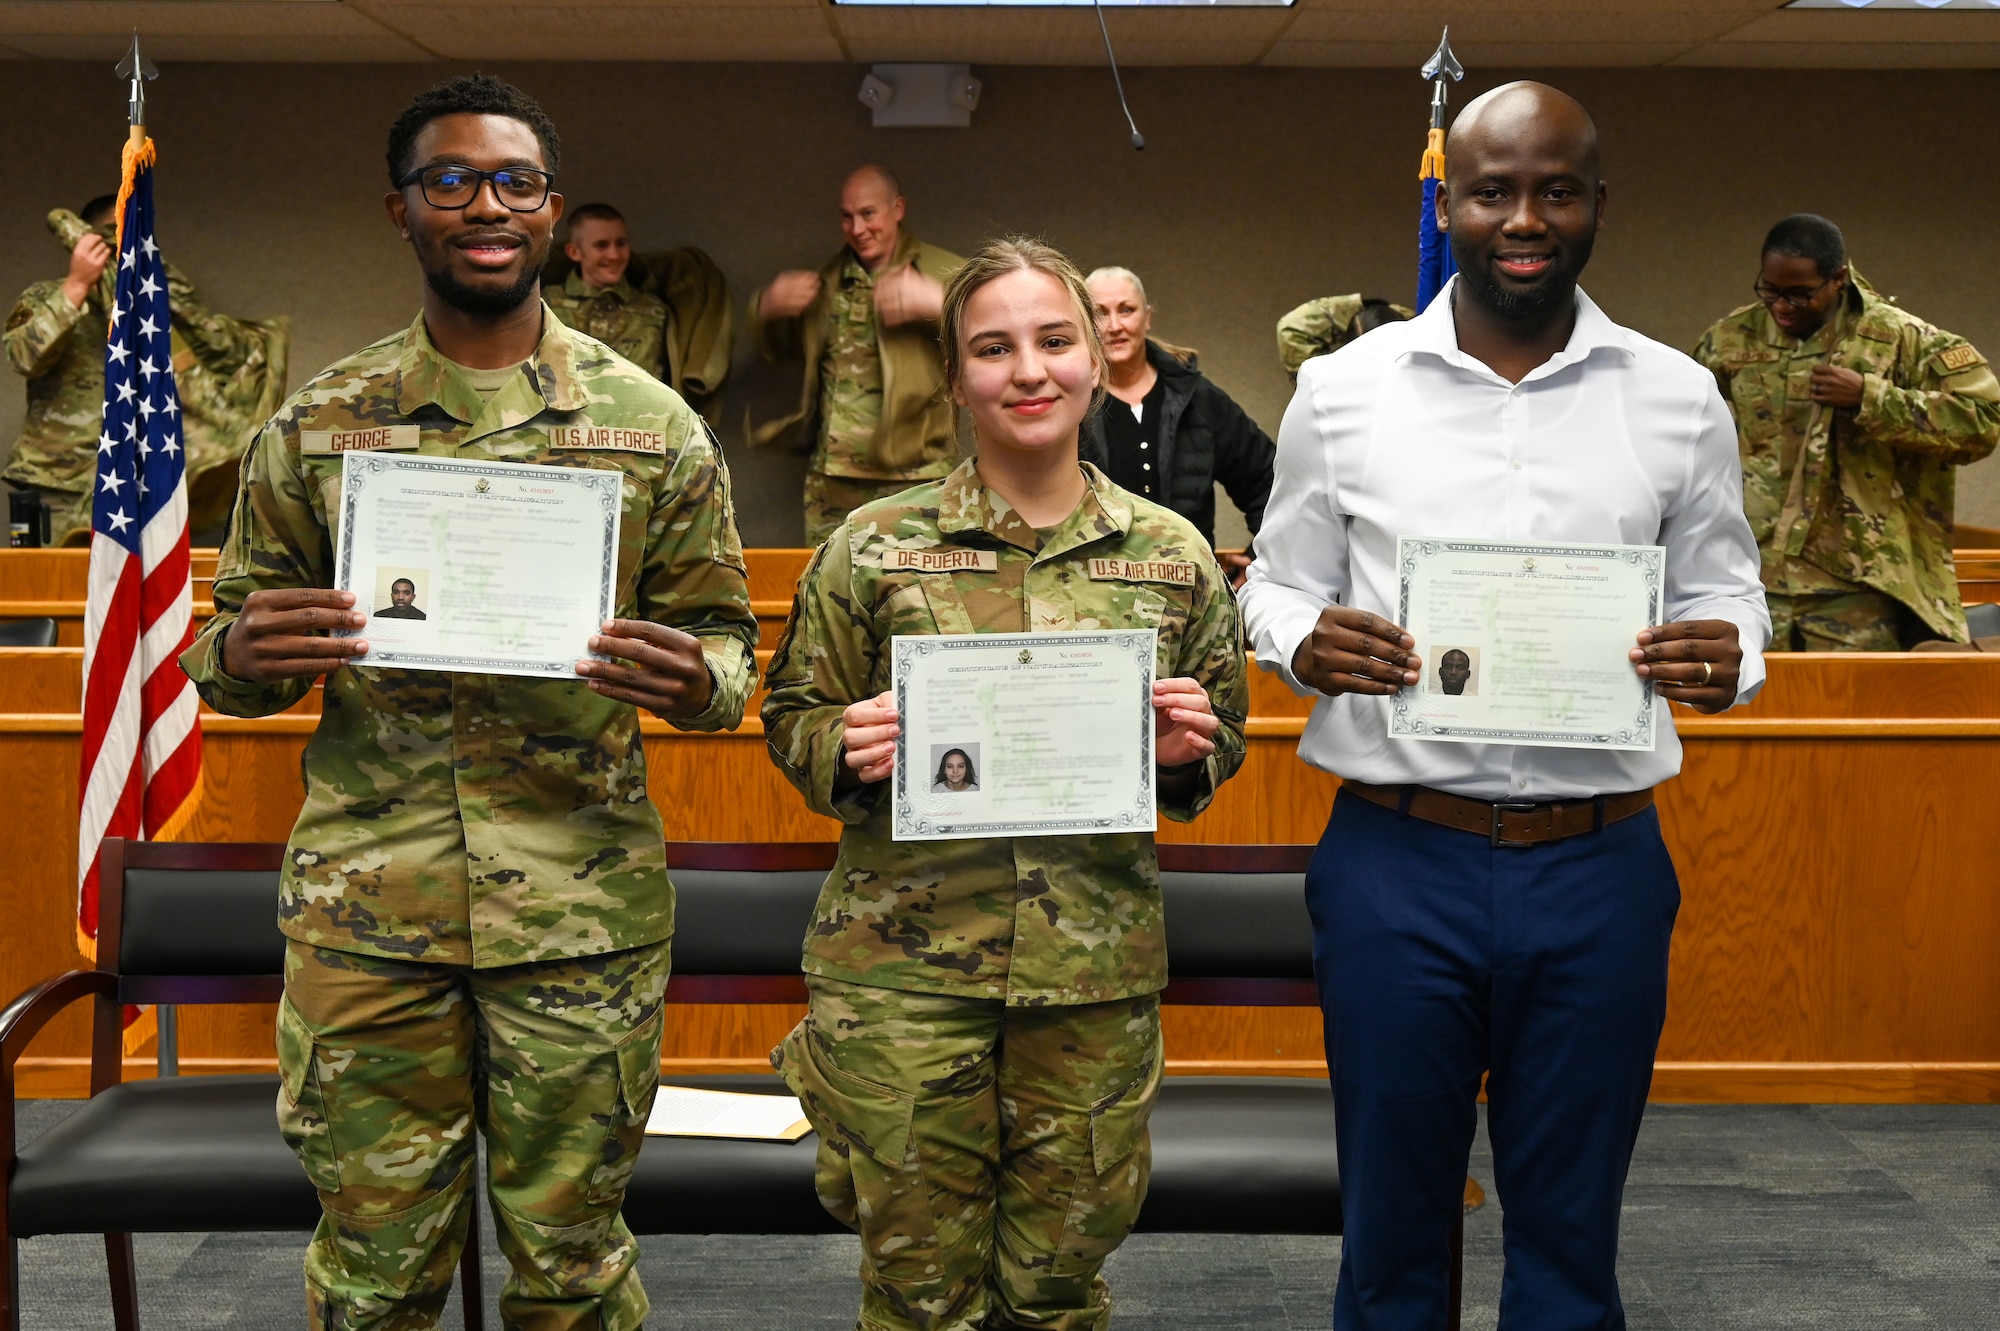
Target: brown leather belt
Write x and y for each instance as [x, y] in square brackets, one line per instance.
[1506, 823]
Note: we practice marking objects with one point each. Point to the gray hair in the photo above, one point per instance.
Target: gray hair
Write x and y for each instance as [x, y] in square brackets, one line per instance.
[1123, 275]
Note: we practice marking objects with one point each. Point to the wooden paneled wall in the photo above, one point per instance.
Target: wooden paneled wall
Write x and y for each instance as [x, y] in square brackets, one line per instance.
[1837, 848]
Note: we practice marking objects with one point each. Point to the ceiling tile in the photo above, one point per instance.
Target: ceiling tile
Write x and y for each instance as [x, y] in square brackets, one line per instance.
[196, 30]
[1843, 55]
[614, 31]
[201, 49]
[1476, 55]
[1742, 10]
[997, 36]
[1517, 23]
[1889, 26]
[217, 18]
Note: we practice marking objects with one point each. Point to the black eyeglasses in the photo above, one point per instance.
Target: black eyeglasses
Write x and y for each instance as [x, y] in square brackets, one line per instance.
[1796, 297]
[520, 189]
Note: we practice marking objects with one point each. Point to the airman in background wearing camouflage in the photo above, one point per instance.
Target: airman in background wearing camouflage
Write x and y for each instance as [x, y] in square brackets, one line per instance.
[667, 311]
[596, 299]
[1329, 323]
[475, 895]
[229, 375]
[981, 1050]
[872, 408]
[1851, 415]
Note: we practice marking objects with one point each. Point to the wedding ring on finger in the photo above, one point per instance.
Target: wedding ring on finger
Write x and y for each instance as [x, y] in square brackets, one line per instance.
[1707, 672]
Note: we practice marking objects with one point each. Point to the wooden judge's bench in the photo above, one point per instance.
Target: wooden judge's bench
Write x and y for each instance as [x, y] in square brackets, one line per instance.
[1838, 845]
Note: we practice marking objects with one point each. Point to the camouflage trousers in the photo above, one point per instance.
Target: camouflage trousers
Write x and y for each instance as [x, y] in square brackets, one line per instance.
[388, 1068]
[1838, 622]
[990, 1157]
[829, 499]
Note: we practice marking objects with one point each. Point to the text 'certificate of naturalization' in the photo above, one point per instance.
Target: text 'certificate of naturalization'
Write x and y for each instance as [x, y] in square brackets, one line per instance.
[1024, 734]
[1527, 643]
[493, 567]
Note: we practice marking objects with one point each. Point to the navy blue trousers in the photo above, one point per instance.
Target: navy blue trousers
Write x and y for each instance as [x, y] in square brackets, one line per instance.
[1441, 958]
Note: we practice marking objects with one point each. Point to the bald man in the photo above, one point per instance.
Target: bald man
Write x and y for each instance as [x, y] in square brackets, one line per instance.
[1497, 911]
[865, 325]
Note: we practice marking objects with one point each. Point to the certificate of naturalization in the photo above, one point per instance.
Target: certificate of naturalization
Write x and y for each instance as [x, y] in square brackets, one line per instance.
[1527, 643]
[1024, 734]
[494, 567]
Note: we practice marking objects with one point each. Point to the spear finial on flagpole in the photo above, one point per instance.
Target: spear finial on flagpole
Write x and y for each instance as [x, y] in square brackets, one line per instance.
[1434, 263]
[1441, 66]
[137, 70]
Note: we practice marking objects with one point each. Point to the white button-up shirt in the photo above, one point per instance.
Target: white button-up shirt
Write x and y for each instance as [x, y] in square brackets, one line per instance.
[1616, 439]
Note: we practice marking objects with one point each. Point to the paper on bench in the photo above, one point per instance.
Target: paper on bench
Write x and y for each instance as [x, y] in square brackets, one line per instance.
[683, 1111]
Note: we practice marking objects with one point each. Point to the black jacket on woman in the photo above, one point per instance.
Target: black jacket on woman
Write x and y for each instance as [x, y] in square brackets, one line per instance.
[1204, 438]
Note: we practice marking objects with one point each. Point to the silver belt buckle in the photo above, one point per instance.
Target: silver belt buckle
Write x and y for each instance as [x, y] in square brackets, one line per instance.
[1504, 807]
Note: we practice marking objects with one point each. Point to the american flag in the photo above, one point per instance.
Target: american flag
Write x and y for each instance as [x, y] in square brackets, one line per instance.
[141, 731]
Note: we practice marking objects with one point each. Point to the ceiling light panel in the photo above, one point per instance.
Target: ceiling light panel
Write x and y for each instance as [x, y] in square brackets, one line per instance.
[1067, 4]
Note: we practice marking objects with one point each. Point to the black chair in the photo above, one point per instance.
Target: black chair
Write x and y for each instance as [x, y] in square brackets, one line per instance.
[192, 923]
[28, 632]
[1231, 1155]
[180, 923]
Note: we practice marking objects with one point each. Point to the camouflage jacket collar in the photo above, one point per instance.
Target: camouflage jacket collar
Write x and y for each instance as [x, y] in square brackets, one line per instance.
[424, 375]
[1437, 335]
[905, 252]
[1863, 311]
[967, 504]
[574, 285]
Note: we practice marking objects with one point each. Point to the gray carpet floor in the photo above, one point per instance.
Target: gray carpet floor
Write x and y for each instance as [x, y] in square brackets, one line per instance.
[1820, 1218]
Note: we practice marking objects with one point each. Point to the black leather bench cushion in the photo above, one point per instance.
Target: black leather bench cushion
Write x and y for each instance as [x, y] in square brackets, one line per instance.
[170, 1156]
[740, 923]
[238, 914]
[1231, 1155]
[1243, 1155]
[702, 1185]
[1237, 925]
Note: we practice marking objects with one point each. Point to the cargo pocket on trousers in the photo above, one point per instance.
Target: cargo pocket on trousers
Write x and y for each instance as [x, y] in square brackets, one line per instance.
[864, 1175]
[1104, 1201]
[302, 1102]
[639, 1066]
[1118, 1121]
[636, 1061]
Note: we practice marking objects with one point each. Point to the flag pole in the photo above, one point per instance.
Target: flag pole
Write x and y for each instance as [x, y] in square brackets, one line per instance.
[136, 70]
[1434, 264]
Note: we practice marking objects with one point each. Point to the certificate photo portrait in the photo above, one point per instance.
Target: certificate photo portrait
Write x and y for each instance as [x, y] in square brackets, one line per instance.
[955, 768]
[402, 593]
[1456, 672]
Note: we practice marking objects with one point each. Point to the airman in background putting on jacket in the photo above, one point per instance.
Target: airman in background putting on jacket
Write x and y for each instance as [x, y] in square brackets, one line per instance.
[1330, 323]
[872, 409]
[1852, 416]
[666, 312]
[229, 375]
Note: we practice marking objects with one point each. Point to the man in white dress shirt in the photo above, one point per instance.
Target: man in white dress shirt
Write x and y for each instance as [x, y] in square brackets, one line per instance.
[1486, 909]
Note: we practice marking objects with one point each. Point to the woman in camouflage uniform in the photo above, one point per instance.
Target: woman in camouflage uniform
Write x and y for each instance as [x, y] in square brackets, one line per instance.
[982, 1047]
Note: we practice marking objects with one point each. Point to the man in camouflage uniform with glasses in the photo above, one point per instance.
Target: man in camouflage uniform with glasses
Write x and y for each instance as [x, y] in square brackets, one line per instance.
[475, 898]
[1851, 415]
